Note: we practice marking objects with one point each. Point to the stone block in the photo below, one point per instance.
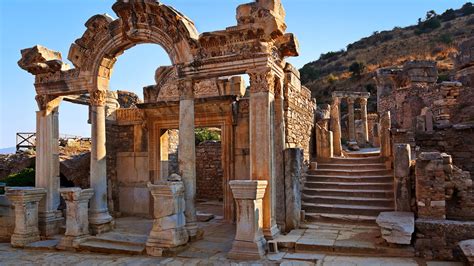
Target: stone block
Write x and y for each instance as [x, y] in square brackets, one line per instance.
[293, 167]
[467, 247]
[397, 227]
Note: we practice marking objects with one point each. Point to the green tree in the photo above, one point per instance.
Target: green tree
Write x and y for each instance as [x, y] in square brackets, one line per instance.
[357, 69]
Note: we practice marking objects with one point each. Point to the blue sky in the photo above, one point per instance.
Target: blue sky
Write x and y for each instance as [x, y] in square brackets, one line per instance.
[320, 26]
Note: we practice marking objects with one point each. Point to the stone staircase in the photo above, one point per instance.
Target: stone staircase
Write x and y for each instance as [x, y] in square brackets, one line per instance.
[352, 189]
[115, 243]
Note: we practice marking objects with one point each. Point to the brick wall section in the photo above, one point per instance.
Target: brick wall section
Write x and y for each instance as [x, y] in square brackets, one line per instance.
[299, 119]
[209, 173]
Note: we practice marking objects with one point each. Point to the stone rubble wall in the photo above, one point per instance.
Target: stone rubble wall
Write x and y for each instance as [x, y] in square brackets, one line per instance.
[299, 119]
[209, 172]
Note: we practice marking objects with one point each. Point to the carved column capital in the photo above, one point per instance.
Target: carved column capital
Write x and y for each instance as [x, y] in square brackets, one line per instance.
[350, 101]
[363, 101]
[98, 98]
[262, 80]
[186, 89]
[336, 100]
[47, 103]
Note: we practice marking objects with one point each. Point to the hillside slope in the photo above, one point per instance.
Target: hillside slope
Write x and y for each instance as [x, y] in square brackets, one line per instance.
[434, 38]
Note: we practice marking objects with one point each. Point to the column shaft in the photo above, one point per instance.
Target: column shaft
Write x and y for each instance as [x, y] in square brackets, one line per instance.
[187, 153]
[335, 126]
[262, 160]
[99, 217]
[351, 119]
[365, 125]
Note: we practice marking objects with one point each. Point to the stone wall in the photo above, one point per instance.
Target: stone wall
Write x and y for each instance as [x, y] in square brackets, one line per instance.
[209, 173]
[173, 141]
[7, 219]
[299, 113]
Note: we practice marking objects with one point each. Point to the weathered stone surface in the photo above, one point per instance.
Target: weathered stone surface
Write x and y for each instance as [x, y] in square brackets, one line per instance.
[402, 177]
[293, 175]
[397, 227]
[467, 247]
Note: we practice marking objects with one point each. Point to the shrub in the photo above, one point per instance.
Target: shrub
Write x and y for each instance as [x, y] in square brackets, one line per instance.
[330, 55]
[443, 77]
[428, 25]
[357, 69]
[203, 134]
[331, 79]
[467, 9]
[25, 178]
[446, 38]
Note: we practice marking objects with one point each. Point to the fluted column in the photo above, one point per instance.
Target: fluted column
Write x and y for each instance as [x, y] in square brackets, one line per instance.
[365, 125]
[351, 120]
[47, 163]
[262, 157]
[187, 153]
[99, 217]
[335, 125]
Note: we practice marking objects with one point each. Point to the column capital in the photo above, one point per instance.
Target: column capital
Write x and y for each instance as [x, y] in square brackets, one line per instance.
[350, 100]
[336, 100]
[98, 98]
[186, 89]
[363, 101]
[262, 80]
[47, 102]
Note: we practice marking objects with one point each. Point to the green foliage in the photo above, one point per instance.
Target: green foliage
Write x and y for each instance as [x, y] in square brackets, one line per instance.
[357, 69]
[467, 9]
[442, 78]
[25, 178]
[309, 73]
[330, 55]
[431, 23]
[203, 134]
[331, 79]
[446, 38]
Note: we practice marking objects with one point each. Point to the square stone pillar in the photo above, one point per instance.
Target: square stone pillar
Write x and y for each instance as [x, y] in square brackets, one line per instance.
[335, 125]
[402, 159]
[77, 218]
[262, 156]
[363, 114]
[47, 164]
[351, 119]
[249, 243]
[169, 225]
[324, 143]
[187, 154]
[99, 218]
[26, 201]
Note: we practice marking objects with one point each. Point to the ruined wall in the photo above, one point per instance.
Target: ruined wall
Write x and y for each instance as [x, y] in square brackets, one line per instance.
[209, 173]
[299, 112]
[173, 141]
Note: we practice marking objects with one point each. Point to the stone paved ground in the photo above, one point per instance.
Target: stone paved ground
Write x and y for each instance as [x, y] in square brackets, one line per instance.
[10, 256]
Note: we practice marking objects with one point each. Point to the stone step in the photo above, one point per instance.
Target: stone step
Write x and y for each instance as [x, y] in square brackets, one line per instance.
[115, 243]
[352, 160]
[340, 218]
[349, 185]
[362, 154]
[348, 179]
[365, 201]
[339, 172]
[368, 166]
[371, 193]
[344, 209]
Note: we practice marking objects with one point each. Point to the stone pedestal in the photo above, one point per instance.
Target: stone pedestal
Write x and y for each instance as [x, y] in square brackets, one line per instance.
[77, 218]
[99, 218]
[187, 154]
[324, 143]
[249, 243]
[47, 170]
[169, 226]
[26, 202]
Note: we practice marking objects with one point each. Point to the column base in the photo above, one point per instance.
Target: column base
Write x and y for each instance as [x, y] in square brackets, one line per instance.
[271, 233]
[50, 223]
[20, 241]
[71, 243]
[194, 232]
[97, 229]
[242, 250]
[100, 222]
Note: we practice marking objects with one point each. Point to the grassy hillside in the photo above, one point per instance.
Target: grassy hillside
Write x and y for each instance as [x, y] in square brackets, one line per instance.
[435, 37]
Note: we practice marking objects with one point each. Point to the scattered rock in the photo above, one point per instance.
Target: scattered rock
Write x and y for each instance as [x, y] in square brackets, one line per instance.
[397, 227]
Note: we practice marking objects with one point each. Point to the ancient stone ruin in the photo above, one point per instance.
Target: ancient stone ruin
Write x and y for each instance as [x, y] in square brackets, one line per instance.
[285, 174]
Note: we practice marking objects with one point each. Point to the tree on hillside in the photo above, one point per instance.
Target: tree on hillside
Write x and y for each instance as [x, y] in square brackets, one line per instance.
[357, 69]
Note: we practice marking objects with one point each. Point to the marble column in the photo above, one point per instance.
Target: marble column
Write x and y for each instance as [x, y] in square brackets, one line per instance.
[351, 119]
[187, 154]
[77, 218]
[278, 149]
[335, 125]
[262, 158]
[26, 201]
[365, 125]
[249, 243]
[385, 142]
[47, 164]
[99, 218]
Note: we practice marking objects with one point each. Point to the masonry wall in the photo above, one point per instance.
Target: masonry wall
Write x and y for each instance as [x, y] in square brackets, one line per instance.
[209, 173]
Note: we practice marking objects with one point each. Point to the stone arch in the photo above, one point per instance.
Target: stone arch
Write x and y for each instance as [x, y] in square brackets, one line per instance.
[138, 22]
